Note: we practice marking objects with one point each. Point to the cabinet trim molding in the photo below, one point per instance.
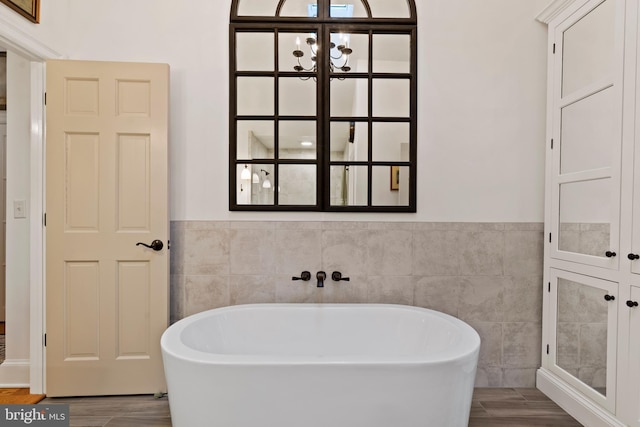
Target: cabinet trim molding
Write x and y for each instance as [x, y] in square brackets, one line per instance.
[581, 408]
[552, 10]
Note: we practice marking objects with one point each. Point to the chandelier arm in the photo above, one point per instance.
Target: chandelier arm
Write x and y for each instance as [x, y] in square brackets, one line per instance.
[305, 69]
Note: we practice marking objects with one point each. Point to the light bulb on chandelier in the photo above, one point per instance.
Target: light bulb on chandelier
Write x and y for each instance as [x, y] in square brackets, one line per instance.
[339, 61]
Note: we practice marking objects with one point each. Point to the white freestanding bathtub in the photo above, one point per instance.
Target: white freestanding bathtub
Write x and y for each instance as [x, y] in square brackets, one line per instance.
[320, 365]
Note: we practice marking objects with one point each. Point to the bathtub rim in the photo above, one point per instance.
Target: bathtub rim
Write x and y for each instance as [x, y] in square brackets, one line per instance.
[172, 337]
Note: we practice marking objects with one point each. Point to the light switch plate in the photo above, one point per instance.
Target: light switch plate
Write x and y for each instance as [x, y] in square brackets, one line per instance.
[19, 209]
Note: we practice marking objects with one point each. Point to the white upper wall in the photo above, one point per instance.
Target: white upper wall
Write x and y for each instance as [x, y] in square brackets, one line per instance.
[50, 33]
[482, 84]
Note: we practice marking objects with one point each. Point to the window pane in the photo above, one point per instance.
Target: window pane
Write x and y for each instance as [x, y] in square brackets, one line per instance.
[341, 139]
[347, 9]
[350, 52]
[254, 51]
[257, 7]
[391, 53]
[349, 141]
[255, 96]
[297, 97]
[349, 185]
[391, 97]
[299, 8]
[588, 48]
[254, 184]
[297, 185]
[582, 332]
[255, 139]
[585, 217]
[588, 132]
[391, 142]
[390, 8]
[297, 140]
[349, 97]
[390, 186]
[296, 50]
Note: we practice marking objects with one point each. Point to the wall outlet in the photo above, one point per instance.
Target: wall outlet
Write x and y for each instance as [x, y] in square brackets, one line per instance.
[19, 209]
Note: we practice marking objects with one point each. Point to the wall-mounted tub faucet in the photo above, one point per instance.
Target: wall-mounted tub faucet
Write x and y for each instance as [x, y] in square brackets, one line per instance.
[305, 276]
[336, 276]
[321, 276]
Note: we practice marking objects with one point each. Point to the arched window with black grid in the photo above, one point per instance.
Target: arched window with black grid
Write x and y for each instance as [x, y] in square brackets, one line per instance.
[323, 105]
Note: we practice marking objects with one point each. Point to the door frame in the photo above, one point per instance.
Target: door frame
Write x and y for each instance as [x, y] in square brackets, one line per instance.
[17, 40]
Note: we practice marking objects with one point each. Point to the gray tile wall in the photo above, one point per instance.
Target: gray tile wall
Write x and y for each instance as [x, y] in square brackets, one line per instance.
[487, 274]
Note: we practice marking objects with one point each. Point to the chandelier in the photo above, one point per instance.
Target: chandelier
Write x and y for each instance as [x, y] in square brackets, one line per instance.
[338, 55]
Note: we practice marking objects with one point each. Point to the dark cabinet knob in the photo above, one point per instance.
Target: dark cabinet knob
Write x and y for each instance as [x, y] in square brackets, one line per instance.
[305, 276]
[633, 256]
[609, 297]
[632, 304]
[156, 245]
[610, 254]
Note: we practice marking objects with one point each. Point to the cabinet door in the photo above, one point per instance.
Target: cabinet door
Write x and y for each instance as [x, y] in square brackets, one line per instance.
[582, 347]
[587, 135]
[634, 253]
[632, 405]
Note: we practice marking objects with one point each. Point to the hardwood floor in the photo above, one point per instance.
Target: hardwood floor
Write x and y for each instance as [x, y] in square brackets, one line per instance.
[116, 411]
[516, 408]
[491, 407]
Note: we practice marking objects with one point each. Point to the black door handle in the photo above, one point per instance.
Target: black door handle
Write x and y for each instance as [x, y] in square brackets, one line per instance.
[609, 297]
[156, 245]
[610, 254]
[632, 304]
[633, 256]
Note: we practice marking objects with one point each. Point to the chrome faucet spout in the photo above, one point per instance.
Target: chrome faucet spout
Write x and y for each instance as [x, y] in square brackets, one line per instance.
[321, 276]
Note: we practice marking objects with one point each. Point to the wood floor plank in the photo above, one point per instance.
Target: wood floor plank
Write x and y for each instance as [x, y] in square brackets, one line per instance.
[563, 421]
[88, 421]
[494, 393]
[522, 409]
[139, 422]
[114, 406]
[532, 394]
[491, 407]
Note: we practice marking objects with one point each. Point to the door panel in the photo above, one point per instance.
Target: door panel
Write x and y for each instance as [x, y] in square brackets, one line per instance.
[587, 136]
[583, 339]
[106, 184]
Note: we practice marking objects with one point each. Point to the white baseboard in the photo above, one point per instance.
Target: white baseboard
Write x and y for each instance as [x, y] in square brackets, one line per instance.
[14, 373]
[573, 402]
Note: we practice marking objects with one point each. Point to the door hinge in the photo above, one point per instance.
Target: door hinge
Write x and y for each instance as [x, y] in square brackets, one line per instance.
[45, 98]
[549, 286]
[45, 340]
[549, 237]
[552, 143]
[44, 219]
[554, 48]
[547, 348]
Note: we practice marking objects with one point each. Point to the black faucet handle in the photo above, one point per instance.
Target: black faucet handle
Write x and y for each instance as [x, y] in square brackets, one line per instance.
[336, 276]
[305, 276]
[321, 276]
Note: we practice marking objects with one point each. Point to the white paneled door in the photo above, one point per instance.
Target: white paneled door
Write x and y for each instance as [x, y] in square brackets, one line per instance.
[106, 191]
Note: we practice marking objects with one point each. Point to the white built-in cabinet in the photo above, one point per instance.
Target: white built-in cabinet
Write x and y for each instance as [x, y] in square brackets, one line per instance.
[591, 319]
